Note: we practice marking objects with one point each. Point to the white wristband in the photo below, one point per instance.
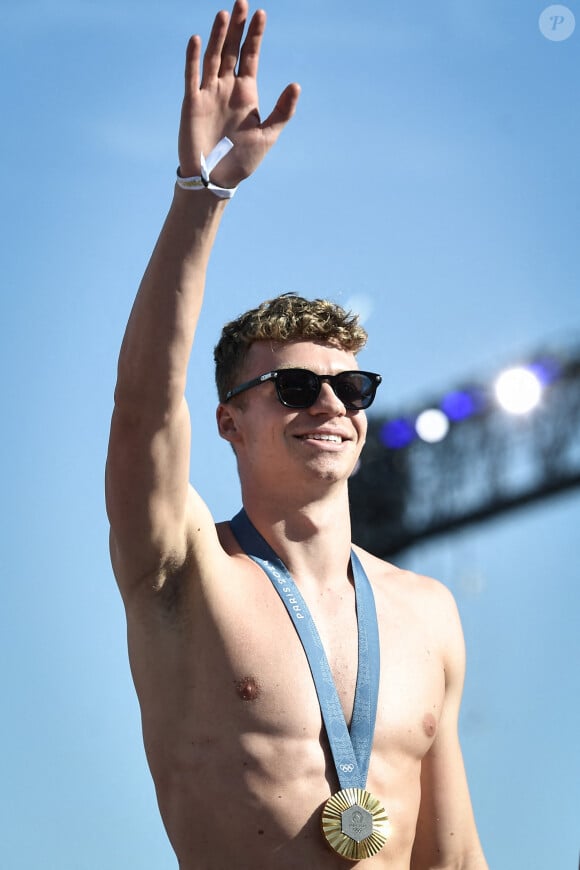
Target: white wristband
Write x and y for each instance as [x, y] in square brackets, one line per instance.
[202, 182]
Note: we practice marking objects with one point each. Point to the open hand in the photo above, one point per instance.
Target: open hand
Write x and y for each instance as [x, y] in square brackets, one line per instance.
[221, 99]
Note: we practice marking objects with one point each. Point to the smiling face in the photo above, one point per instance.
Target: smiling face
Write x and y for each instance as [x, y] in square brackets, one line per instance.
[287, 447]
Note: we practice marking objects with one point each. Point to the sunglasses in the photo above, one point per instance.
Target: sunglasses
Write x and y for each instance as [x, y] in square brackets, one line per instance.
[300, 388]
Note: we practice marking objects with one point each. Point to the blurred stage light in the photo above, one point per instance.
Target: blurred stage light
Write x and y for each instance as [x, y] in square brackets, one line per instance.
[546, 369]
[432, 425]
[518, 390]
[461, 404]
[398, 433]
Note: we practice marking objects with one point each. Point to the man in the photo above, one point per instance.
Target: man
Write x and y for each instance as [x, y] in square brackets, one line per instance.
[243, 751]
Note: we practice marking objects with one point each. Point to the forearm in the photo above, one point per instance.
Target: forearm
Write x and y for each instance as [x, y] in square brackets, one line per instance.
[159, 335]
[220, 100]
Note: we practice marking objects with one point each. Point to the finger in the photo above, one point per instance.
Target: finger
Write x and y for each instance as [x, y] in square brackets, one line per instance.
[250, 53]
[192, 57]
[213, 52]
[283, 110]
[231, 47]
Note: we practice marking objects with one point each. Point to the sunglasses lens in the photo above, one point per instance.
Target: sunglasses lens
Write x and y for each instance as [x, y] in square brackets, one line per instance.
[355, 390]
[297, 388]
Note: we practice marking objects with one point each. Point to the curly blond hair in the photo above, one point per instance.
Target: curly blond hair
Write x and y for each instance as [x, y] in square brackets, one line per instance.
[285, 318]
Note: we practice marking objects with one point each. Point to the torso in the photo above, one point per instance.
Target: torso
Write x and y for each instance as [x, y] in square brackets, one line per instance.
[232, 724]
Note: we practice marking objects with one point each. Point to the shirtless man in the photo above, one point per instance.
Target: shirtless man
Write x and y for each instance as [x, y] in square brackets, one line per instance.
[231, 720]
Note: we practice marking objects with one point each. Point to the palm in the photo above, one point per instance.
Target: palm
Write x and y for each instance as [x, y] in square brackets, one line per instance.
[223, 101]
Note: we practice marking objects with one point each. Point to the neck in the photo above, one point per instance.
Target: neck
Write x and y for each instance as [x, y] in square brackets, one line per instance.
[312, 537]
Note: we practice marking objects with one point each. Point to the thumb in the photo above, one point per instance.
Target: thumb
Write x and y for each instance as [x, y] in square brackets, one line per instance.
[282, 111]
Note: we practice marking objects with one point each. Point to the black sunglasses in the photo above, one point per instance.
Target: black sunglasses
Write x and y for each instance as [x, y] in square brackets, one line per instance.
[300, 388]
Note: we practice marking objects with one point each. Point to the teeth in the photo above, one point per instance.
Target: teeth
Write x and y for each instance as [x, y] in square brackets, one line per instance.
[335, 438]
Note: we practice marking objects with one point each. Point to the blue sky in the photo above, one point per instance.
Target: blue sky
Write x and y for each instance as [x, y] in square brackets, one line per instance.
[431, 176]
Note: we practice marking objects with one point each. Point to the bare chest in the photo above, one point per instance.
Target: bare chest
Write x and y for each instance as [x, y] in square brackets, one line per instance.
[230, 710]
[248, 664]
[261, 670]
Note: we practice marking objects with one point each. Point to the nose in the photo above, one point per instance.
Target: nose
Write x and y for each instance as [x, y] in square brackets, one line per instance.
[327, 402]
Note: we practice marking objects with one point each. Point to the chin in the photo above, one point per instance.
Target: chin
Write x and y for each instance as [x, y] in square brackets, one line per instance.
[331, 471]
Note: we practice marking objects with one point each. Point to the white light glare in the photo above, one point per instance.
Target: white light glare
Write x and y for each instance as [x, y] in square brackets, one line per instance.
[432, 425]
[518, 390]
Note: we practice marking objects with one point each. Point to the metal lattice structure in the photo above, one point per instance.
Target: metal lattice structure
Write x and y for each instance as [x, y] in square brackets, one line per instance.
[487, 464]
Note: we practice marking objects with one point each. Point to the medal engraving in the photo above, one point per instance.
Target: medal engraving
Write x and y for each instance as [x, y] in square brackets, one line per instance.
[355, 824]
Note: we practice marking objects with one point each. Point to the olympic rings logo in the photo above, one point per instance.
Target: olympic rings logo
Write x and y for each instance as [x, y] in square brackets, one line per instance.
[346, 768]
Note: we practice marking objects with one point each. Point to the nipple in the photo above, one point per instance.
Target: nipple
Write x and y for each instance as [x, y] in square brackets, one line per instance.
[429, 724]
[248, 689]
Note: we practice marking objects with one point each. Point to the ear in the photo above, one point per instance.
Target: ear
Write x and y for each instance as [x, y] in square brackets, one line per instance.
[226, 423]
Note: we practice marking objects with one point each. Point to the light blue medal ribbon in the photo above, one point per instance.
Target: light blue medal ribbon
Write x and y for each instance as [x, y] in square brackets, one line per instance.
[351, 751]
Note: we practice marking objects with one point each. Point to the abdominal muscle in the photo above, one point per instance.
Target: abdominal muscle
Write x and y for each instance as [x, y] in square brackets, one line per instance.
[257, 805]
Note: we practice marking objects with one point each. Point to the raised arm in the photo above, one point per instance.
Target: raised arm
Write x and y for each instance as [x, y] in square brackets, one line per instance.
[157, 521]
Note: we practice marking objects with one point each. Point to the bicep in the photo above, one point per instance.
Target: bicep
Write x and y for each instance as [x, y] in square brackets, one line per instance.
[445, 826]
[446, 833]
[149, 500]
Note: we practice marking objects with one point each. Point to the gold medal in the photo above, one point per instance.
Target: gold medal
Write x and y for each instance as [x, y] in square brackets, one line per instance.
[355, 824]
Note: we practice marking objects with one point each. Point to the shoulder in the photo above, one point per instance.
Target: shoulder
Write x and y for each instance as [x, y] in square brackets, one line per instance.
[426, 590]
[425, 602]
